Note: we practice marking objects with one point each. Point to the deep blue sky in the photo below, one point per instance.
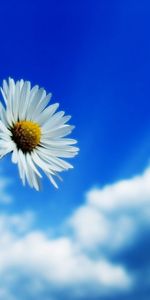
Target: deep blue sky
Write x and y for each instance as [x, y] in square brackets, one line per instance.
[94, 56]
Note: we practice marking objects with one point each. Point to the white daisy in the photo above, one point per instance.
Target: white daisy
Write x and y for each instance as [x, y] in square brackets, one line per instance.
[34, 132]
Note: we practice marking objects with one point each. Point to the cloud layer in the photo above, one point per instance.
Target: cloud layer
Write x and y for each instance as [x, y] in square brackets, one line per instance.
[95, 257]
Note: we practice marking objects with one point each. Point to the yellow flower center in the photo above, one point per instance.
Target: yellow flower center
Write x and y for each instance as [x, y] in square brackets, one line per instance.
[26, 135]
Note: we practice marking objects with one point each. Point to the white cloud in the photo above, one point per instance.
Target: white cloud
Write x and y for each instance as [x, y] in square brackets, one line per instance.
[113, 215]
[57, 262]
[77, 264]
[125, 194]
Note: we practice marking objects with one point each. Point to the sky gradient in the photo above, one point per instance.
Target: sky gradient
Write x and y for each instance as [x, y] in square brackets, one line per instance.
[89, 240]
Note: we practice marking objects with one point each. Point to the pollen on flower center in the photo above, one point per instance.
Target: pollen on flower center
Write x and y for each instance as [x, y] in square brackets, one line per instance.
[26, 135]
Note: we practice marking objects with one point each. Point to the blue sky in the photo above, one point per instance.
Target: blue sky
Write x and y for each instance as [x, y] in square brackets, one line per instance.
[94, 56]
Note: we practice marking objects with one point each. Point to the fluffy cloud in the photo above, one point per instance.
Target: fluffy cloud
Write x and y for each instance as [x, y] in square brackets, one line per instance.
[114, 215]
[55, 265]
[87, 261]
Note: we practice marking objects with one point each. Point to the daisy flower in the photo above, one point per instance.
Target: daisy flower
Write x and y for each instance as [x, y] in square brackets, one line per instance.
[34, 132]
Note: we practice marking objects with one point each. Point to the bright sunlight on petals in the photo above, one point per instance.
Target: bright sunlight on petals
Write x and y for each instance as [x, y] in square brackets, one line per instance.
[34, 132]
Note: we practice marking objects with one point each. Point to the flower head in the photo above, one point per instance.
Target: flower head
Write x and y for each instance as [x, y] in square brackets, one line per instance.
[34, 132]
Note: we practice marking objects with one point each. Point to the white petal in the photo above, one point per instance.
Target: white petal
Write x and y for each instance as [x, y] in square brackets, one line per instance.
[39, 161]
[59, 142]
[21, 167]
[16, 101]
[53, 166]
[14, 157]
[3, 115]
[66, 151]
[7, 146]
[54, 121]
[52, 180]
[59, 132]
[4, 96]
[53, 144]
[32, 165]
[25, 98]
[5, 88]
[5, 137]
[32, 177]
[47, 113]
[22, 100]
[21, 84]
[36, 181]
[37, 98]
[4, 129]
[9, 110]
[41, 105]
[55, 160]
